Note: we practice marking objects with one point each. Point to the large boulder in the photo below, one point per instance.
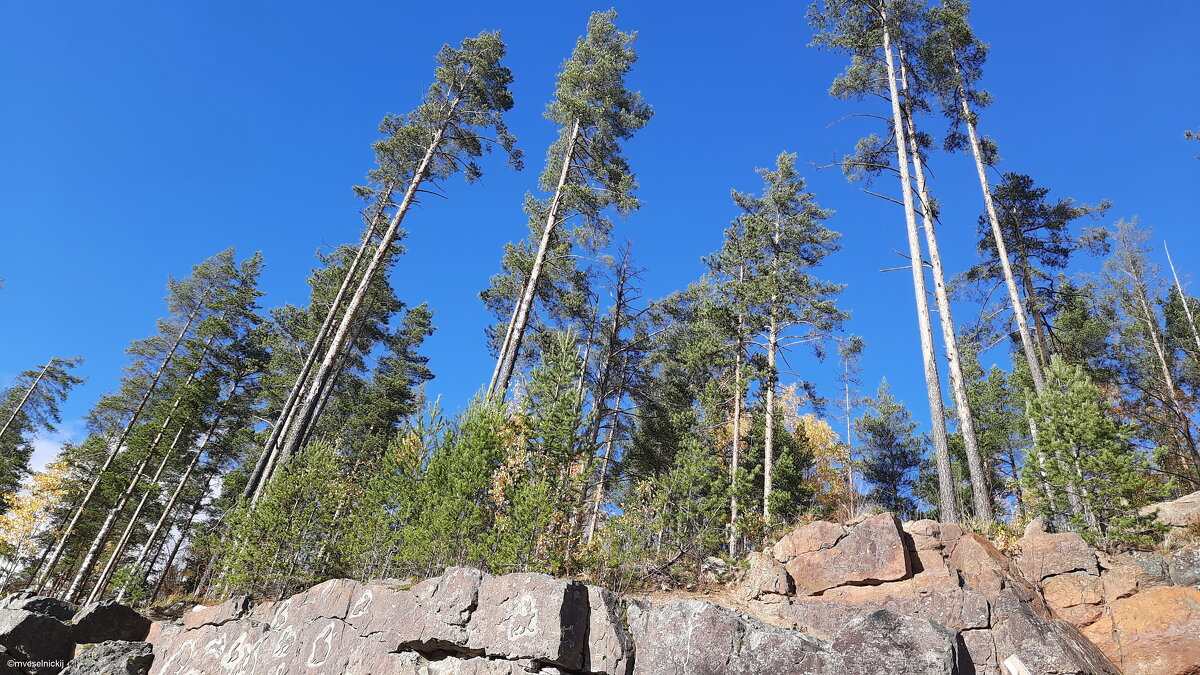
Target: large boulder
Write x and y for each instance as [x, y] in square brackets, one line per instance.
[31, 636]
[1045, 554]
[59, 609]
[609, 645]
[531, 616]
[1155, 632]
[766, 579]
[1042, 644]
[1185, 567]
[1177, 513]
[107, 620]
[115, 657]
[690, 637]
[884, 642]
[820, 556]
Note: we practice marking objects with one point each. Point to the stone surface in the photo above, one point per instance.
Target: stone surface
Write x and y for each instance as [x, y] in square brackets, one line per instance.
[1045, 554]
[1178, 513]
[820, 556]
[766, 579]
[30, 636]
[531, 616]
[1077, 597]
[1043, 644]
[689, 637]
[107, 620]
[115, 657]
[1155, 632]
[609, 645]
[59, 609]
[230, 610]
[1185, 566]
[884, 642]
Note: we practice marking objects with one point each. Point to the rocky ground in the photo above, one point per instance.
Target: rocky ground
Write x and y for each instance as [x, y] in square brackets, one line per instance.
[869, 596]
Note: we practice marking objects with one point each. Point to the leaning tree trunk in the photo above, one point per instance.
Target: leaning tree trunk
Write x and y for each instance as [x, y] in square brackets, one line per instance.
[948, 505]
[112, 453]
[1151, 322]
[1187, 310]
[304, 418]
[183, 531]
[286, 413]
[981, 497]
[512, 347]
[29, 392]
[1010, 282]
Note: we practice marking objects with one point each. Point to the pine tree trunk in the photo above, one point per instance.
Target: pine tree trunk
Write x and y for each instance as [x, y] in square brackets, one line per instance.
[512, 348]
[304, 419]
[112, 453]
[599, 498]
[981, 497]
[29, 392]
[1185, 426]
[736, 442]
[1187, 310]
[948, 507]
[287, 412]
[111, 565]
[769, 430]
[183, 531]
[1014, 296]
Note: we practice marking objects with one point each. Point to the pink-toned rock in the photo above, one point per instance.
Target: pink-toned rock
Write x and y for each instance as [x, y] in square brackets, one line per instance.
[1043, 644]
[1155, 632]
[531, 616]
[926, 549]
[818, 558]
[1119, 582]
[1076, 597]
[230, 610]
[766, 579]
[1177, 513]
[1045, 554]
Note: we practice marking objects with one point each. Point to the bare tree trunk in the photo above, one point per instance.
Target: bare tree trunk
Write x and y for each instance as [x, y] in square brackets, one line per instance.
[187, 525]
[599, 499]
[735, 443]
[933, 385]
[512, 348]
[112, 453]
[981, 497]
[111, 565]
[1014, 296]
[769, 430]
[1187, 310]
[29, 392]
[304, 419]
[1185, 425]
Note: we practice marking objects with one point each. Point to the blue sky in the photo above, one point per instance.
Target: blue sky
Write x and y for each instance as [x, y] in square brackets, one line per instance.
[138, 138]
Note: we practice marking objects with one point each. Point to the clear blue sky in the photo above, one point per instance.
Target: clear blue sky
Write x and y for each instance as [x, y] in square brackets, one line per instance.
[138, 138]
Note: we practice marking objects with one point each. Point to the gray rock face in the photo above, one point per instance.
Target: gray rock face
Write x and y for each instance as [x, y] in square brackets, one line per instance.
[30, 636]
[531, 616]
[609, 645]
[689, 637]
[106, 620]
[883, 642]
[115, 657]
[59, 609]
[1185, 567]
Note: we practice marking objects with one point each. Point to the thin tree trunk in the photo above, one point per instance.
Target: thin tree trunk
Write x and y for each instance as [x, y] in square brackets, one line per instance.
[933, 384]
[286, 413]
[1014, 296]
[1187, 310]
[981, 498]
[17, 411]
[502, 353]
[1168, 378]
[187, 525]
[769, 429]
[599, 499]
[110, 566]
[112, 453]
[305, 419]
[735, 457]
[513, 349]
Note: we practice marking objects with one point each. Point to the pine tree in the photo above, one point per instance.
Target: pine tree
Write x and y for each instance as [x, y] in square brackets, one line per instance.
[460, 119]
[890, 452]
[30, 406]
[586, 176]
[1083, 447]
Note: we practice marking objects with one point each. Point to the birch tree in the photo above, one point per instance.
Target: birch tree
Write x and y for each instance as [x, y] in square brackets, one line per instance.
[31, 406]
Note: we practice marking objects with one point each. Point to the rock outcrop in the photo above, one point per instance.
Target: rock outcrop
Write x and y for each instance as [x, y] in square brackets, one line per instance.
[867, 596]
